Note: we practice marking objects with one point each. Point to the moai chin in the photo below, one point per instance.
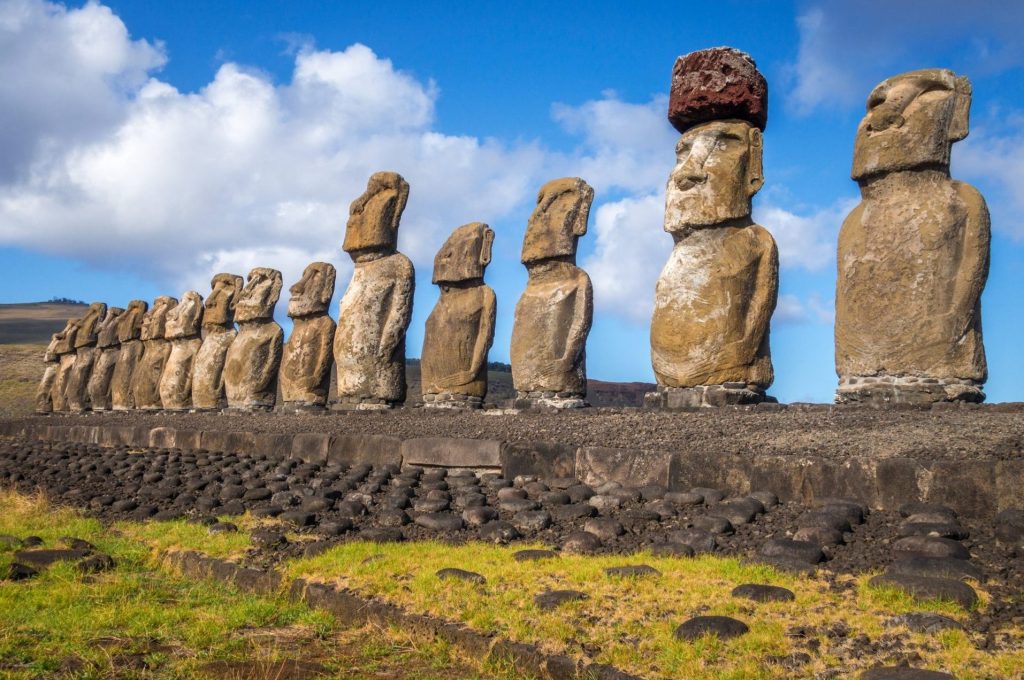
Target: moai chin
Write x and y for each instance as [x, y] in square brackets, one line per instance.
[554, 313]
[374, 313]
[460, 328]
[85, 358]
[108, 349]
[253, 359]
[129, 331]
[306, 364]
[184, 324]
[716, 294]
[913, 255]
[51, 364]
[156, 348]
[64, 351]
[219, 332]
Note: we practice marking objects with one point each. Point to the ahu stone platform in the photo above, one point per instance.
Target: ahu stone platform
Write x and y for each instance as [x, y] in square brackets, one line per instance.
[968, 457]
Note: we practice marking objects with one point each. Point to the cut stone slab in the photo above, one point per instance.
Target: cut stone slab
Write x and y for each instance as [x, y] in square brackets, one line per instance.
[452, 573]
[722, 626]
[763, 593]
[928, 588]
[553, 599]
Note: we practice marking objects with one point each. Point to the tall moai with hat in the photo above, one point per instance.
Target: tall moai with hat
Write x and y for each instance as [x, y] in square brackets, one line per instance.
[85, 357]
[460, 329]
[716, 294]
[184, 324]
[254, 357]
[913, 255]
[64, 350]
[156, 348]
[108, 348]
[374, 313]
[129, 334]
[51, 363]
[218, 334]
[306, 364]
[555, 312]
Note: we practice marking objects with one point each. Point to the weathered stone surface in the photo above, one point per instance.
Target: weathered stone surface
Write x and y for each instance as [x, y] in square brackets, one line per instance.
[717, 84]
[219, 332]
[596, 465]
[184, 323]
[155, 351]
[913, 255]
[64, 352]
[306, 363]
[903, 673]
[374, 313]
[717, 292]
[85, 357]
[44, 393]
[251, 365]
[763, 593]
[554, 314]
[451, 452]
[108, 348]
[723, 627]
[929, 588]
[460, 329]
[129, 329]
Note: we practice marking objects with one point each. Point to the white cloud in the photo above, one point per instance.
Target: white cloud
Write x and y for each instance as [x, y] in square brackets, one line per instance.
[804, 241]
[791, 309]
[995, 163]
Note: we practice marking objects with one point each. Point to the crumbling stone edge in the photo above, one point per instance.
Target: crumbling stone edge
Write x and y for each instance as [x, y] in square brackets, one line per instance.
[353, 610]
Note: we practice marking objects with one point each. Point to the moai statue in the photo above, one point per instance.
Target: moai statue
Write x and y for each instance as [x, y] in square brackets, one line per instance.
[219, 332]
[65, 353]
[51, 362]
[108, 348]
[374, 313]
[156, 348]
[306, 364]
[715, 297]
[460, 328]
[250, 369]
[913, 255]
[85, 357]
[129, 331]
[553, 316]
[184, 324]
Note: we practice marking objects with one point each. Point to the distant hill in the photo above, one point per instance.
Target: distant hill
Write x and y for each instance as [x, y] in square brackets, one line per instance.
[35, 322]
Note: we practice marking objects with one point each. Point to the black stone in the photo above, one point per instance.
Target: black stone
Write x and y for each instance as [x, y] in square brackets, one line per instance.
[439, 521]
[530, 555]
[553, 599]
[451, 573]
[498, 532]
[929, 588]
[924, 622]
[763, 593]
[802, 551]
[938, 567]
[722, 626]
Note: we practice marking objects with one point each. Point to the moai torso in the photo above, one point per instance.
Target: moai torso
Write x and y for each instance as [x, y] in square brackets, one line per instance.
[374, 313]
[555, 312]
[183, 328]
[460, 328]
[51, 362]
[65, 354]
[85, 357]
[306, 364]
[219, 333]
[253, 359]
[129, 329]
[156, 348]
[913, 255]
[108, 348]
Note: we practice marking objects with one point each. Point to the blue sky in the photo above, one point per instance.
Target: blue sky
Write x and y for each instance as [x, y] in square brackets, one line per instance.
[145, 146]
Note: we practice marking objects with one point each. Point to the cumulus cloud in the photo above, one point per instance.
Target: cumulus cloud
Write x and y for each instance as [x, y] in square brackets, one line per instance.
[792, 309]
[846, 48]
[994, 160]
[805, 241]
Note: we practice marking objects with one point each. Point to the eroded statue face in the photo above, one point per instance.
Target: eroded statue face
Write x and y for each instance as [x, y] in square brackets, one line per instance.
[106, 335]
[260, 295]
[187, 316]
[374, 217]
[912, 121]
[560, 218]
[154, 323]
[717, 172]
[220, 305]
[313, 292]
[87, 328]
[129, 326]
[465, 254]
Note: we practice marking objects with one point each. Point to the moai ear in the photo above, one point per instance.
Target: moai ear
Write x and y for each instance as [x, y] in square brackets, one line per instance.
[328, 273]
[755, 164]
[959, 124]
[586, 197]
[238, 283]
[403, 198]
[485, 246]
[275, 291]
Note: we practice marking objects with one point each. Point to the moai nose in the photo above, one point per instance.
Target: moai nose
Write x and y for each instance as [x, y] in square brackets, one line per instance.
[886, 118]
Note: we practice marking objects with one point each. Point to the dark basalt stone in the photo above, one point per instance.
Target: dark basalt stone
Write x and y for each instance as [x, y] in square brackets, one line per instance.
[451, 573]
[553, 599]
[903, 673]
[723, 626]
[530, 555]
[929, 588]
[763, 593]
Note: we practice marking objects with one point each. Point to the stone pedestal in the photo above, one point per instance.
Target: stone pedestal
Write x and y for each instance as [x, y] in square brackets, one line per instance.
[549, 400]
[886, 389]
[349, 403]
[726, 394]
[452, 400]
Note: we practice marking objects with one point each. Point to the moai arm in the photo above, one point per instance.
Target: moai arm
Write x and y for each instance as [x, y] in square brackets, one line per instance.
[484, 335]
[268, 371]
[764, 298]
[582, 318]
[973, 273]
[399, 312]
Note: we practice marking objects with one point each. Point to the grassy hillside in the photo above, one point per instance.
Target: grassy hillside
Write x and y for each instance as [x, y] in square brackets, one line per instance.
[35, 322]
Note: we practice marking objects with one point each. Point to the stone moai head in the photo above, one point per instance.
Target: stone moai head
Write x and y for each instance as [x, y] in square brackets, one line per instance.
[465, 254]
[373, 218]
[257, 300]
[719, 104]
[220, 304]
[106, 336]
[313, 292]
[129, 325]
[51, 349]
[186, 319]
[66, 342]
[560, 218]
[89, 324]
[912, 121]
[154, 322]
